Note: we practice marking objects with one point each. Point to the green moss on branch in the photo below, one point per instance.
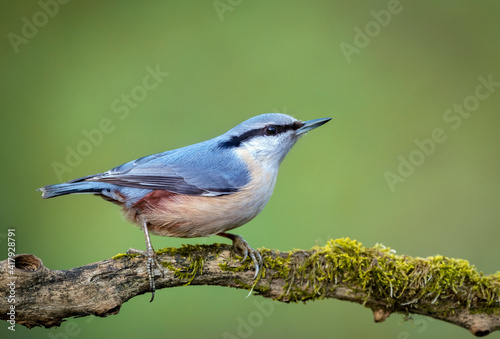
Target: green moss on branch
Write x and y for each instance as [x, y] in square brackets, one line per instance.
[376, 277]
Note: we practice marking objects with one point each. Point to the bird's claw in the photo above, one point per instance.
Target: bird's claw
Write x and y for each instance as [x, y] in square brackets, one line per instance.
[240, 245]
[152, 262]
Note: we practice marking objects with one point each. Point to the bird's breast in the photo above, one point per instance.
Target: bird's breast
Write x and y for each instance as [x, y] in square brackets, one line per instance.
[187, 216]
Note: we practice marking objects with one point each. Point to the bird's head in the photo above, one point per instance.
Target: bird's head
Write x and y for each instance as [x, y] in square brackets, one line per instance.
[268, 137]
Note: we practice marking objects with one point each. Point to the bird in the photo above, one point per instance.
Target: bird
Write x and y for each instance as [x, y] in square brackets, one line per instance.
[203, 189]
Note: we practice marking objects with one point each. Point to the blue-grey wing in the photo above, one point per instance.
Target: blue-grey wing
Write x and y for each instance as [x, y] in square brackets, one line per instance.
[194, 170]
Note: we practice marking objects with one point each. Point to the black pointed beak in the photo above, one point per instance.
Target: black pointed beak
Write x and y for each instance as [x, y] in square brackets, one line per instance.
[312, 124]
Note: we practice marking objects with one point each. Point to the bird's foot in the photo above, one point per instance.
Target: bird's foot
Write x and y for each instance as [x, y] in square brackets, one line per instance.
[152, 263]
[241, 246]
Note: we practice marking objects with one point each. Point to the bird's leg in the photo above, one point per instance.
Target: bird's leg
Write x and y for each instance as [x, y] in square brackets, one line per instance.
[239, 244]
[150, 254]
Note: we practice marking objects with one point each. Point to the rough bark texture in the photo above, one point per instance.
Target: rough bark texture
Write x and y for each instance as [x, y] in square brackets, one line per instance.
[447, 289]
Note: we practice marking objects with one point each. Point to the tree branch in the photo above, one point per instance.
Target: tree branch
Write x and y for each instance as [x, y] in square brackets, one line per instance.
[447, 289]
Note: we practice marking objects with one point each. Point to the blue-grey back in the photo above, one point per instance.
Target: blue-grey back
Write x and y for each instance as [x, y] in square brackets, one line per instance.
[199, 169]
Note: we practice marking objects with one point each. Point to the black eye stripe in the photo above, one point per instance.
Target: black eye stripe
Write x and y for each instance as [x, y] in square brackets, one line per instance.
[235, 141]
[284, 128]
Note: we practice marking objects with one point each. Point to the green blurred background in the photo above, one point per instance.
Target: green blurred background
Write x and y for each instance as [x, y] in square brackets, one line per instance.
[225, 65]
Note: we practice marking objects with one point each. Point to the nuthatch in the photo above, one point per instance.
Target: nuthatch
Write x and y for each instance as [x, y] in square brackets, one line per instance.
[199, 190]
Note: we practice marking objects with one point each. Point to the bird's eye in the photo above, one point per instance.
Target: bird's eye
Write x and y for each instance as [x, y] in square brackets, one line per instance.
[271, 130]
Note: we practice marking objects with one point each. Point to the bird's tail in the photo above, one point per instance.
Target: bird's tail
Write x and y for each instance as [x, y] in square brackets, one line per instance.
[52, 191]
